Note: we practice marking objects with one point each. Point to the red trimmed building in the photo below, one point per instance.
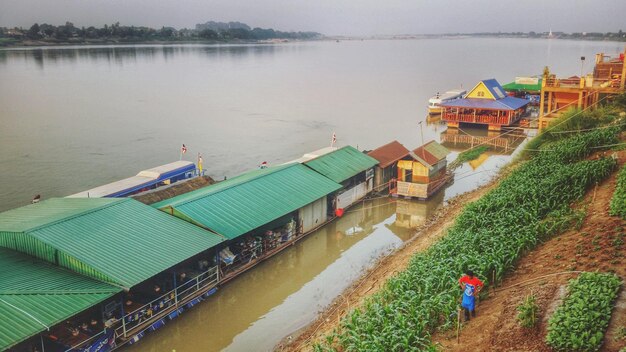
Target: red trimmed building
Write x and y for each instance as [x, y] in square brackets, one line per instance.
[486, 104]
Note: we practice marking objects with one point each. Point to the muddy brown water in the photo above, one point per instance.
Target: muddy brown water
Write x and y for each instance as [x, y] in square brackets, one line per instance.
[73, 118]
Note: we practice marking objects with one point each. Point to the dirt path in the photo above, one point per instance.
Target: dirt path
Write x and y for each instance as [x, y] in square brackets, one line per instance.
[375, 278]
[598, 245]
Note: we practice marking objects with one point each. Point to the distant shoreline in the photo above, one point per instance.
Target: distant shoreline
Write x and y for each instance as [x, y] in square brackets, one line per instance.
[44, 43]
[13, 43]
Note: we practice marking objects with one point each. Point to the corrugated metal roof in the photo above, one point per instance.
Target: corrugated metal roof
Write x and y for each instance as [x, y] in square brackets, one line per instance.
[439, 151]
[312, 155]
[389, 153]
[523, 87]
[25, 315]
[47, 212]
[115, 240]
[342, 164]
[35, 295]
[134, 182]
[495, 88]
[430, 153]
[241, 204]
[506, 103]
[171, 168]
[143, 179]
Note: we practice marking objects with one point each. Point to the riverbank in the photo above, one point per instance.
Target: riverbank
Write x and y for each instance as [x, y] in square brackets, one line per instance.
[418, 301]
[596, 246]
[375, 278]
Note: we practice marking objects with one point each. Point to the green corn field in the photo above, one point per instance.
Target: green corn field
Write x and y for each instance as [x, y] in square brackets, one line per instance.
[488, 237]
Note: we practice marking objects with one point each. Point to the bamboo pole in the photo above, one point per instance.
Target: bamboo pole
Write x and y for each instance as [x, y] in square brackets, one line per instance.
[458, 326]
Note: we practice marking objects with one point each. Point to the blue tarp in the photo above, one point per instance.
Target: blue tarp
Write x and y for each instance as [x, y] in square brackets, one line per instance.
[175, 313]
[104, 343]
[135, 338]
[156, 325]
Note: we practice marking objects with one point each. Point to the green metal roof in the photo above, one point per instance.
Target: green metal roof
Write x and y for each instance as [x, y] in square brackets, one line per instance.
[516, 87]
[243, 203]
[437, 150]
[35, 295]
[342, 164]
[32, 216]
[121, 241]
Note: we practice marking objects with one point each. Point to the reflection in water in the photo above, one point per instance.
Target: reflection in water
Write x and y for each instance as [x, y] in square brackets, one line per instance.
[121, 54]
[283, 294]
[499, 142]
[411, 214]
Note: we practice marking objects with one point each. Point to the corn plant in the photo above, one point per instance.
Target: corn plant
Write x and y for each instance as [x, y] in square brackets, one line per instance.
[580, 321]
[488, 237]
[527, 312]
[618, 202]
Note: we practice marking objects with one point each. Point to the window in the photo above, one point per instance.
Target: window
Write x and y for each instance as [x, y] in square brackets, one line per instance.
[481, 94]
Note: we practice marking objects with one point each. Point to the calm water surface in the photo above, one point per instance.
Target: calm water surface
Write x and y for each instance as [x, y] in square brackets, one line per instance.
[78, 117]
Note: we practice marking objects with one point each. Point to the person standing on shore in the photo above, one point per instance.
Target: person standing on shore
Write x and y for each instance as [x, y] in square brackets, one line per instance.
[471, 286]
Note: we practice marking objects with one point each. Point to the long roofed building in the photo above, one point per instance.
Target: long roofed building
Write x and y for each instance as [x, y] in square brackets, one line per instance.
[486, 104]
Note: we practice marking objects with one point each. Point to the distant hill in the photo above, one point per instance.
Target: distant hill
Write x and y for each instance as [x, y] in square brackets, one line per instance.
[222, 26]
[241, 31]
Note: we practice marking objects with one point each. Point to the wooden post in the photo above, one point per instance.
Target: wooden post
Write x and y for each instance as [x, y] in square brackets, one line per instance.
[458, 326]
[623, 80]
[580, 99]
[549, 103]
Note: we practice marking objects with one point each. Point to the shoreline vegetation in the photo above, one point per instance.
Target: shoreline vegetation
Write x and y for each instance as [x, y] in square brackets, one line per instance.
[203, 33]
[231, 33]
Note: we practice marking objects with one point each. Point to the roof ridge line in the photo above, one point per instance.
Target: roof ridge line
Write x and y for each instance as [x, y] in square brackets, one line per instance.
[55, 222]
[278, 168]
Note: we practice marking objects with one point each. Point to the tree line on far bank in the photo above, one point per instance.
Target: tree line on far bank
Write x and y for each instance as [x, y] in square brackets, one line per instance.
[210, 31]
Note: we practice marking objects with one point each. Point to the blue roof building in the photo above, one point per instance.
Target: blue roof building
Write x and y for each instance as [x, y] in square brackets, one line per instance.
[486, 104]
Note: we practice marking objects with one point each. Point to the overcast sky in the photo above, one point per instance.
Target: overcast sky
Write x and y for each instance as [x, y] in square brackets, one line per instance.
[331, 17]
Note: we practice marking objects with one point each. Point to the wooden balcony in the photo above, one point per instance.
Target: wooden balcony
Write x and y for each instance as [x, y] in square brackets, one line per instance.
[480, 119]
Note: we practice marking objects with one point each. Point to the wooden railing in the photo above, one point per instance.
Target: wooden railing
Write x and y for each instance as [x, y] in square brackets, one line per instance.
[471, 118]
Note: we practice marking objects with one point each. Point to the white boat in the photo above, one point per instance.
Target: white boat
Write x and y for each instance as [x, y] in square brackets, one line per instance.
[433, 103]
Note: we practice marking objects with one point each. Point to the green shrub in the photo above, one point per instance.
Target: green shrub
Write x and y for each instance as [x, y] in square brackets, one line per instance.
[527, 312]
[471, 154]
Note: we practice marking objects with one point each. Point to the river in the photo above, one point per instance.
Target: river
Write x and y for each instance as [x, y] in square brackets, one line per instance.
[72, 118]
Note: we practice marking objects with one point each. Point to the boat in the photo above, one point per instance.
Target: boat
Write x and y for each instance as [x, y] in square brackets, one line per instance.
[433, 103]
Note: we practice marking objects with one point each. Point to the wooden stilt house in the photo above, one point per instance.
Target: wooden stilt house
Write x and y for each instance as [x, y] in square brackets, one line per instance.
[387, 169]
[425, 174]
